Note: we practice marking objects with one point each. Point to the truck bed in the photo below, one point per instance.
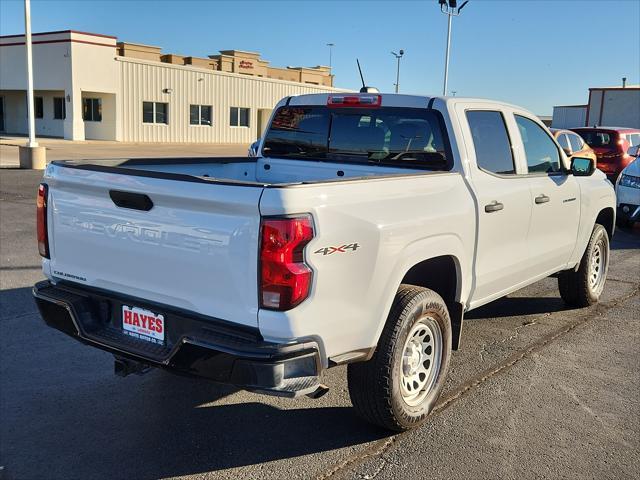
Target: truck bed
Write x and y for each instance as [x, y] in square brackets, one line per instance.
[239, 170]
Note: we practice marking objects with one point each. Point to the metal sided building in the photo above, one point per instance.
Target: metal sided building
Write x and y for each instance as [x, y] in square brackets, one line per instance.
[90, 86]
[614, 106]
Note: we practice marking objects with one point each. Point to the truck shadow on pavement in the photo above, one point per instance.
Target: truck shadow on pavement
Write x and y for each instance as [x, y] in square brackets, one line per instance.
[517, 307]
[626, 238]
[66, 415]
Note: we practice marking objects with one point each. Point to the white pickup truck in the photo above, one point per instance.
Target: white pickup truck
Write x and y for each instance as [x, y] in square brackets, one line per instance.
[361, 232]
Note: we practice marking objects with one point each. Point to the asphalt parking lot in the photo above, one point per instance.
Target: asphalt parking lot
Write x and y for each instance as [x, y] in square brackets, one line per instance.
[537, 391]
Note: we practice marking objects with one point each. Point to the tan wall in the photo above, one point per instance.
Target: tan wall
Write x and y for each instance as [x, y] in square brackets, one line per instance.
[199, 62]
[284, 74]
[144, 52]
[172, 58]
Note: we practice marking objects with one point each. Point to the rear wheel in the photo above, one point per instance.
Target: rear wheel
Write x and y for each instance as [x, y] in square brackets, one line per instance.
[399, 385]
[583, 287]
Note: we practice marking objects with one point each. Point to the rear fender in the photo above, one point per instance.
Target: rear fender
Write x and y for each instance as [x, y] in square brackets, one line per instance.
[417, 252]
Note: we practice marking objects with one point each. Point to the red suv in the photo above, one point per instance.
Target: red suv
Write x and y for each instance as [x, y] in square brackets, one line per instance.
[611, 145]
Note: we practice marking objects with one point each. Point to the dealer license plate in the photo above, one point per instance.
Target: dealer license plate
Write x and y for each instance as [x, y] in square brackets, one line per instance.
[143, 324]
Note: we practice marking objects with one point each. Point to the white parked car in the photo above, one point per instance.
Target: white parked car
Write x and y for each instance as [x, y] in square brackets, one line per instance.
[363, 230]
[628, 191]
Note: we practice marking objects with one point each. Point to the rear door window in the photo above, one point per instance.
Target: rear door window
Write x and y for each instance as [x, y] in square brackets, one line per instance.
[576, 142]
[564, 142]
[541, 152]
[491, 142]
[390, 136]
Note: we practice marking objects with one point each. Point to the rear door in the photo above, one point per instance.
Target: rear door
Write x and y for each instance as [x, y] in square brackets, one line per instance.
[195, 248]
[504, 203]
[555, 198]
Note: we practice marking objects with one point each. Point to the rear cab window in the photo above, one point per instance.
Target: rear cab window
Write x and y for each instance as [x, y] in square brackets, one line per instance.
[598, 138]
[388, 136]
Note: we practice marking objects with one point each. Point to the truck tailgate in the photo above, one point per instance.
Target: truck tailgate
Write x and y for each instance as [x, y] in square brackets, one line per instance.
[196, 248]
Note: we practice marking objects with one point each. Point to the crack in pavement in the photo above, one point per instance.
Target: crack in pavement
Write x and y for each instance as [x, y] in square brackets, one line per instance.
[516, 332]
[381, 447]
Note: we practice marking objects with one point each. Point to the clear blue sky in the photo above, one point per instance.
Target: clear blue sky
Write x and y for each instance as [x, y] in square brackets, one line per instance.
[533, 53]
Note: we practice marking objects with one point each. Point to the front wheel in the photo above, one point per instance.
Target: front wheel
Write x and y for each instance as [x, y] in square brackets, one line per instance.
[584, 286]
[398, 387]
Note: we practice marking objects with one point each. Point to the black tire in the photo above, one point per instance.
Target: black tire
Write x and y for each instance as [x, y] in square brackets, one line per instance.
[375, 386]
[575, 287]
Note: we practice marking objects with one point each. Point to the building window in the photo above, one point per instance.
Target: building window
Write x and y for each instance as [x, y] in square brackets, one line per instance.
[38, 107]
[239, 117]
[155, 112]
[59, 108]
[92, 109]
[200, 115]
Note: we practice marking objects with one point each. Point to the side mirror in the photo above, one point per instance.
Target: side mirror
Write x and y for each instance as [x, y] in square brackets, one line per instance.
[634, 151]
[582, 167]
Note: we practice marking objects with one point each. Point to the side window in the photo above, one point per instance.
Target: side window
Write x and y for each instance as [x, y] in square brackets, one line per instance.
[491, 142]
[576, 143]
[563, 140]
[542, 154]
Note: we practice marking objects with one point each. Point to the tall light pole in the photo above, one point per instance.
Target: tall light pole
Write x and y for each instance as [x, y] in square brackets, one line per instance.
[27, 38]
[398, 56]
[330, 45]
[451, 9]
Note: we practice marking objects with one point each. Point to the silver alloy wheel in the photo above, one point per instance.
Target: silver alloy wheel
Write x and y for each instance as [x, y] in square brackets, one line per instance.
[598, 265]
[421, 361]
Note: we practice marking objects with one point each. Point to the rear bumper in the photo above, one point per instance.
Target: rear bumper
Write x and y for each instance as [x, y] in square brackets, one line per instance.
[195, 345]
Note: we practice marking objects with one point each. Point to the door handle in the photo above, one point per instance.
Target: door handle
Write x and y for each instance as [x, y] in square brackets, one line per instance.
[132, 200]
[494, 206]
[542, 199]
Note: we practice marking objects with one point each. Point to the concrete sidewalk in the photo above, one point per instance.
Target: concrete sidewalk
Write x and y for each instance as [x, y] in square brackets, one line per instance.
[59, 149]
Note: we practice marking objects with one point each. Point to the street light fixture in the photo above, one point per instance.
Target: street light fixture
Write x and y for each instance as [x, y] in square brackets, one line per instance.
[398, 56]
[451, 9]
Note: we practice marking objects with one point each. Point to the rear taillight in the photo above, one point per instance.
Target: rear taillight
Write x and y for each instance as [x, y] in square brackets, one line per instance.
[285, 280]
[354, 101]
[41, 218]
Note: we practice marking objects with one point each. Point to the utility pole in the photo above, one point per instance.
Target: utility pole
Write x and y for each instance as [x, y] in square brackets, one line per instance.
[31, 155]
[330, 45]
[451, 9]
[398, 56]
[27, 38]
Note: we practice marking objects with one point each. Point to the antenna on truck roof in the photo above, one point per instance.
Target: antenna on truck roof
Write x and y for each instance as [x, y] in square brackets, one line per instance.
[364, 88]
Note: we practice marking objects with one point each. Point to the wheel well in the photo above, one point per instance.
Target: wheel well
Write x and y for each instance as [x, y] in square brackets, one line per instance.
[438, 274]
[606, 219]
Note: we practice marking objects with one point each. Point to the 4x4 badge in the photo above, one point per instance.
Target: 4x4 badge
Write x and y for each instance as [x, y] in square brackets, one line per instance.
[341, 249]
